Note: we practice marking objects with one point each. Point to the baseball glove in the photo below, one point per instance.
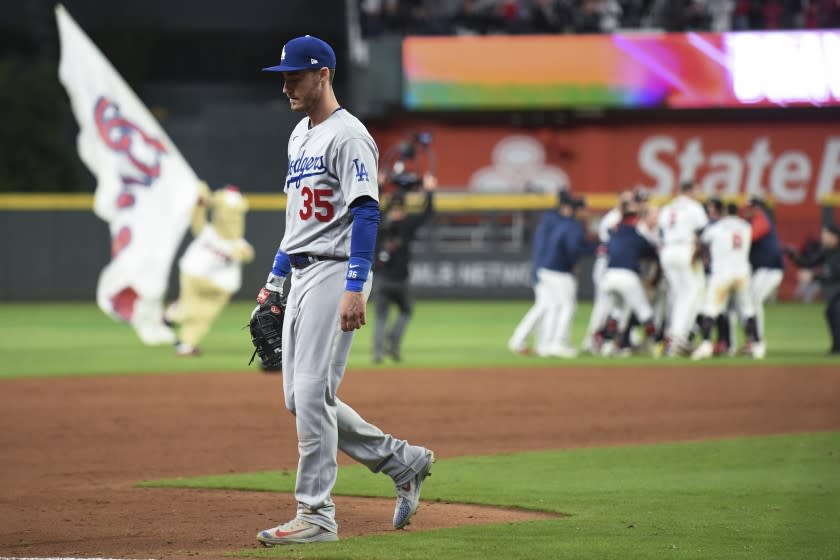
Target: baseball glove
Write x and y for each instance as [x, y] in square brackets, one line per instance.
[266, 327]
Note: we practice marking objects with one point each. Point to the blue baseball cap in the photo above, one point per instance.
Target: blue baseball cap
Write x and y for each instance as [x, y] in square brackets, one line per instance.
[304, 53]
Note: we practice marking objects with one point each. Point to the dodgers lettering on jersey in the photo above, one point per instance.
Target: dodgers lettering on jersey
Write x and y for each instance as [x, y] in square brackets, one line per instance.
[303, 167]
[330, 166]
[729, 245]
[681, 219]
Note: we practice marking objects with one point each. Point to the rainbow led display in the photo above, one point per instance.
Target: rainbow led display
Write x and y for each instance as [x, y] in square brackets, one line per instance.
[675, 70]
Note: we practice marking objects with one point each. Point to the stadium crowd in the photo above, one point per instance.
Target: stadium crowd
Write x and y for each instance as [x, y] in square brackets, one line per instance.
[481, 17]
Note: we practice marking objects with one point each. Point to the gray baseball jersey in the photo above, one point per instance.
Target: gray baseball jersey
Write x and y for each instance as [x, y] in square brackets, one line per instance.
[330, 166]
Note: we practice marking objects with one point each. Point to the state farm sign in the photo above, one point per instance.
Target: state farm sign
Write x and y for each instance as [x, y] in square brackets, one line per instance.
[790, 176]
[795, 163]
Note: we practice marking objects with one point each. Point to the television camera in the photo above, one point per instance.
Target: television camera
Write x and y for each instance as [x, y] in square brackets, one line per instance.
[396, 160]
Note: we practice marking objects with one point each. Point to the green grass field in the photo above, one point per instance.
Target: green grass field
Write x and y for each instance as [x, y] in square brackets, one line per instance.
[755, 498]
[49, 339]
[761, 498]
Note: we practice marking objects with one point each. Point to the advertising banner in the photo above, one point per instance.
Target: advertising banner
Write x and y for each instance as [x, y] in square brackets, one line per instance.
[638, 70]
[794, 166]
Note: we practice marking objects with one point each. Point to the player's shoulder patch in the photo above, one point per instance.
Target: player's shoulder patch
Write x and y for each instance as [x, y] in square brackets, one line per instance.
[362, 174]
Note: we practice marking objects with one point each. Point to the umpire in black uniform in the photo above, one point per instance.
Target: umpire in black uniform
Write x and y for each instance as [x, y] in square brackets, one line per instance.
[826, 262]
[393, 255]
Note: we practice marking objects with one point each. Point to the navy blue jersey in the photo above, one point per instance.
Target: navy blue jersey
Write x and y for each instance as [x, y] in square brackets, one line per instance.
[547, 220]
[559, 242]
[627, 247]
[765, 251]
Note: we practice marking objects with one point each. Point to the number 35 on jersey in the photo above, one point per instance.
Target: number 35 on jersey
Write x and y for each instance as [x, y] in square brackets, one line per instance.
[316, 204]
[316, 201]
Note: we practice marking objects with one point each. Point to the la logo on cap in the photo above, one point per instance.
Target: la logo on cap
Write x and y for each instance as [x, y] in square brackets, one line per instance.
[283, 54]
[313, 61]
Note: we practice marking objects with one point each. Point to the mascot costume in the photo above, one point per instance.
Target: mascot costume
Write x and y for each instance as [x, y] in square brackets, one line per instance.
[211, 268]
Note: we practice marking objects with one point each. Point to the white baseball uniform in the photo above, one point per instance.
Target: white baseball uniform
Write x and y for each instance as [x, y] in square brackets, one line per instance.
[729, 250]
[330, 165]
[679, 222]
[656, 293]
[600, 304]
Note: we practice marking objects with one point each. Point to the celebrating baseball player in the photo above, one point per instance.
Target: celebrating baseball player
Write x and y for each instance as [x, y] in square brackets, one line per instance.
[655, 285]
[679, 222]
[558, 244]
[766, 258]
[622, 285]
[600, 304]
[332, 215]
[728, 239]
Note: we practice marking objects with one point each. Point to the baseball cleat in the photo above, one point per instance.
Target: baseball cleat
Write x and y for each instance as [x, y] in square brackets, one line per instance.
[296, 531]
[562, 352]
[522, 349]
[745, 350]
[705, 350]
[408, 494]
[183, 350]
[591, 345]
[758, 350]
[677, 349]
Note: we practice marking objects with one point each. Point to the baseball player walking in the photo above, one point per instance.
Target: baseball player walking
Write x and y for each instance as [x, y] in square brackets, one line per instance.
[332, 215]
[728, 240]
[558, 244]
[679, 222]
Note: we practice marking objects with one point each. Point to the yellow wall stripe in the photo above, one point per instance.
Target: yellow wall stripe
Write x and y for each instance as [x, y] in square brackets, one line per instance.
[445, 202]
[18, 201]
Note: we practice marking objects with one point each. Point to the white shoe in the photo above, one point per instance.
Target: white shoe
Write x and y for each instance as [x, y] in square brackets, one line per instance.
[518, 348]
[182, 350]
[562, 352]
[677, 348]
[608, 348]
[705, 350]
[758, 350]
[296, 531]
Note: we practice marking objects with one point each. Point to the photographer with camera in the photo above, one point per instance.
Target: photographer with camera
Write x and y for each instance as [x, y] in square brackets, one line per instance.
[825, 266]
[396, 232]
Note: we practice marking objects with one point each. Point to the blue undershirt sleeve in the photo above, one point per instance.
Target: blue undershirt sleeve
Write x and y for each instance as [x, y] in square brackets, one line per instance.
[282, 265]
[366, 219]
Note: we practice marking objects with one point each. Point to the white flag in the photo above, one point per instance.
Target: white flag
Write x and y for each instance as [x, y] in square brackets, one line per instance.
[145, 190]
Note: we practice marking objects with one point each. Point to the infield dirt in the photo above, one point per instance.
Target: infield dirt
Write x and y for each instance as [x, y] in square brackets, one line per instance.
[72, 449]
